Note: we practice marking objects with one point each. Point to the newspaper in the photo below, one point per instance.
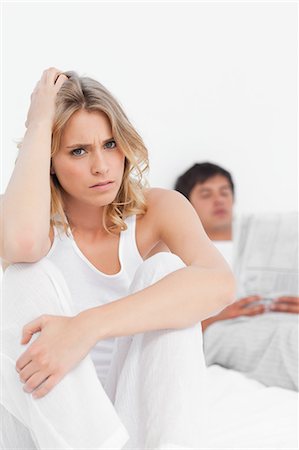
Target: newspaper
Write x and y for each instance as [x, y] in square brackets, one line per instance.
[266, 255]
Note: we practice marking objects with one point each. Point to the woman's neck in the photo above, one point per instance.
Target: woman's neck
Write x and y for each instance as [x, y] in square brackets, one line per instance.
[84, 218]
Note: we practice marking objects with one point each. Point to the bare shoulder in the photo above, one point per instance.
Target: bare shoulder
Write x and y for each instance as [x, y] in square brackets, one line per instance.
[148, 236]
[167, 204]
[176, 223]
[160, 198]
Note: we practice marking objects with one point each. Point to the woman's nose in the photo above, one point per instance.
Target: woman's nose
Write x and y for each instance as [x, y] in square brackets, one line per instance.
[99, 163]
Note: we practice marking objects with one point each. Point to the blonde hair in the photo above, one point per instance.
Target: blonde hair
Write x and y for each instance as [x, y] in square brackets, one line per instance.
[85, 93]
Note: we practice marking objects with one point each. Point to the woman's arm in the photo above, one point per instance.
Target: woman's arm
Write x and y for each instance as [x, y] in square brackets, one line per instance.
[178, 300]
[182, 298]
[25, 206]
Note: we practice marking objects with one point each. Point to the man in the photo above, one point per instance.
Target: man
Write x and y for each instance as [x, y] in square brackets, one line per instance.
[210, 189]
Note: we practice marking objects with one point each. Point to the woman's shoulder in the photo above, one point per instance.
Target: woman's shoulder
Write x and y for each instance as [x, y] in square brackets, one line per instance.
[163, 207]
[148, 227]
[165, 204]
[157, 197]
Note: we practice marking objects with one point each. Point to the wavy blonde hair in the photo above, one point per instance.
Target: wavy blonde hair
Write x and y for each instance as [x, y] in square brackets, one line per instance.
[85, 93]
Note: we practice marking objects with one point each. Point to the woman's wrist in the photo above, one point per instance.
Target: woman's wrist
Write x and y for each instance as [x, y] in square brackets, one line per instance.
[89, 321]
[38, 124]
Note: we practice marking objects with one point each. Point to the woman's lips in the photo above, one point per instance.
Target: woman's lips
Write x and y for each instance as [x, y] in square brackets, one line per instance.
[102, 187]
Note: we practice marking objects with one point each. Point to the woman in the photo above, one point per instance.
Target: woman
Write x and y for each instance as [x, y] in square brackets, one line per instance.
[109, 258]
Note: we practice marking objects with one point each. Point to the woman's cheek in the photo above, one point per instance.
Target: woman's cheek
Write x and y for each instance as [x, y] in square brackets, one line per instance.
[69, 179]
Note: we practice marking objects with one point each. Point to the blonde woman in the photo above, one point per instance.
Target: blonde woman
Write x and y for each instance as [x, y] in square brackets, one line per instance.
[106, 282]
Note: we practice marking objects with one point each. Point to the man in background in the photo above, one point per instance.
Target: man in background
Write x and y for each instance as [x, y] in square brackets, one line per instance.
[210, 189]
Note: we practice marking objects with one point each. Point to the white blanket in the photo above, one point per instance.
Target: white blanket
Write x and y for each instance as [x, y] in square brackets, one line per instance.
[264, 347]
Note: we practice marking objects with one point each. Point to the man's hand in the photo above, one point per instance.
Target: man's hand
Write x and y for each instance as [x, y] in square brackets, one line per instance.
[244, 307]
[286, 304]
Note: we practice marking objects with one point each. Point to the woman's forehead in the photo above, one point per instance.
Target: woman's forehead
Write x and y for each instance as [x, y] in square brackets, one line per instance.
[87, 125]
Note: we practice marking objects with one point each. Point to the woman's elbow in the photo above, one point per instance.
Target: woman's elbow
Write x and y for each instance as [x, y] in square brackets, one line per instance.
[22, 250]
[229, 288]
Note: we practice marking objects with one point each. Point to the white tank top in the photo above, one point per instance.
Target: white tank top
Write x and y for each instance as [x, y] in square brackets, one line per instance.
[89, 287]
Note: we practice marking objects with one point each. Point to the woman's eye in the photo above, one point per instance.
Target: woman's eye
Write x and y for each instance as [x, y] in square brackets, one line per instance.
[111, 144]
[76, 151]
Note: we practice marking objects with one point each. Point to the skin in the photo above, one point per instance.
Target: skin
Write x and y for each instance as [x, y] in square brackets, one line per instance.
[79, 168]
[213, 201]
[64, 341]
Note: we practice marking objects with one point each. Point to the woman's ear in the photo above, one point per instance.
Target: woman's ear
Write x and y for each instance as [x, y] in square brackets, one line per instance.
[52, 171]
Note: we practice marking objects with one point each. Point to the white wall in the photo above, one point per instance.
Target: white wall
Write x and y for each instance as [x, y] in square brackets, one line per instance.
[200, 81]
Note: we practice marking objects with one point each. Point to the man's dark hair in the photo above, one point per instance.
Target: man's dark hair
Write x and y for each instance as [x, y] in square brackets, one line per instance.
[199, 173]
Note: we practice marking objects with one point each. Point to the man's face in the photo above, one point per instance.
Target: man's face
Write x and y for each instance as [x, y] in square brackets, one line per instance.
[213, 202]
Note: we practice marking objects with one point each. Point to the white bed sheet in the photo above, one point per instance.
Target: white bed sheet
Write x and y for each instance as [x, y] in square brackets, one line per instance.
[245, 414]
[240, 413]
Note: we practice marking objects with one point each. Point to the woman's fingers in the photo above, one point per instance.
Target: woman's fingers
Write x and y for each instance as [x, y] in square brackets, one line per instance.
[27, 371]
[49, 75]
[60, 80]
[43, 98]
[28, 331]
[24, 359]
[35, 381]
[46, 387]
[42, 105]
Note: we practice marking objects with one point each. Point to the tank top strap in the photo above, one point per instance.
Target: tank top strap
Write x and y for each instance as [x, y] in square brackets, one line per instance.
[128, 250]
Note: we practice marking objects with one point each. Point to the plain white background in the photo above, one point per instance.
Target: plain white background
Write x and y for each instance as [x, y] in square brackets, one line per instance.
[201, 81]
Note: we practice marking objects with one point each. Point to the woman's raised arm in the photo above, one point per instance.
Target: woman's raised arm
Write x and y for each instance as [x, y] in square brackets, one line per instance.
[25, 205]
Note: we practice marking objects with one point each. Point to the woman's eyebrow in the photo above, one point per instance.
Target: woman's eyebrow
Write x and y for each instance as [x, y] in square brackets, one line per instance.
[78, 145]
[89, 145]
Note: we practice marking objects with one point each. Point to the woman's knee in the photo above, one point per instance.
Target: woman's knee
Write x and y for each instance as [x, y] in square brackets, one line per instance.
[32, 289]
[155, 268]
[27, 271]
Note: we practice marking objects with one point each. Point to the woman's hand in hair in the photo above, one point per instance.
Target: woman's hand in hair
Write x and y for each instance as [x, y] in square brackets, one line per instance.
[43, 98]
[62, 343]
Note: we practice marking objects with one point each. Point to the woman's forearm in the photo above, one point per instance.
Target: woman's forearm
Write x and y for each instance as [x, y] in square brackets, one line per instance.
[179, 300]
[26, 202]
